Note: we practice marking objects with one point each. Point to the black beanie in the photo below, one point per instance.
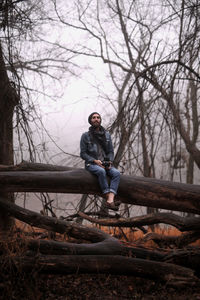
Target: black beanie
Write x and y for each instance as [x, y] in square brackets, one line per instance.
[90, 117]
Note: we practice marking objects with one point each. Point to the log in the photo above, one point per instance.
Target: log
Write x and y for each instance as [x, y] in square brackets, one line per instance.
[182, 223]
[27, 166]
[107, 247]
[172, 275]
[132, 189]
[53, 224]
[188, 258]
[102, 243]
[171, 241]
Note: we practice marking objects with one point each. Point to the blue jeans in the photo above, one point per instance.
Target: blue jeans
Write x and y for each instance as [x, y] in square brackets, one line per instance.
[101, 173]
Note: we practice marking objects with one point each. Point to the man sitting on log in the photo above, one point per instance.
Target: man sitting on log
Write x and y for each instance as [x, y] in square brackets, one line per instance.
[97, 151]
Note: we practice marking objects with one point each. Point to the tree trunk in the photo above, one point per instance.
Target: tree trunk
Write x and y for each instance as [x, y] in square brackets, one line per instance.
[133, 190]
[8, 100]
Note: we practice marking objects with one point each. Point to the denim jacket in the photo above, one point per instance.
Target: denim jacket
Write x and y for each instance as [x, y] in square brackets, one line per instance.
[89, 149]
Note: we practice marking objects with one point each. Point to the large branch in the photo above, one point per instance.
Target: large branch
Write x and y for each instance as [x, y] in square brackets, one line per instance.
[102, 243]
[106, 247]
[132, 189]
[178, 241]
[53, 224]
[182, 223]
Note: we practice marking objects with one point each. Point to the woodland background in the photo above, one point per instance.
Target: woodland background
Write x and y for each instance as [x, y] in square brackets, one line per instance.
[141, 60]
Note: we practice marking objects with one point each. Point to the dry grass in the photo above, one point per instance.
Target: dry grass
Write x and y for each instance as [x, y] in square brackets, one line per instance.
[133, 236]
[125, 234]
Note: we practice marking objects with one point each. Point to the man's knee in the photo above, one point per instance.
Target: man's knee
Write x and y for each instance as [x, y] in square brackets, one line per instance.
[101, 172]
[98, 171]
[115, 174]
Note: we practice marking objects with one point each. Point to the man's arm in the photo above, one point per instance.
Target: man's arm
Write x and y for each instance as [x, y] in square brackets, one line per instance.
[83, 149]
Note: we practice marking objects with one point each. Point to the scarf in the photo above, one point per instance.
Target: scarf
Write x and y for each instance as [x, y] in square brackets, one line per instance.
[98, 136]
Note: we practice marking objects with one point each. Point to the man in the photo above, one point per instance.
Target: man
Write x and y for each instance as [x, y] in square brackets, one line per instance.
[97, 151]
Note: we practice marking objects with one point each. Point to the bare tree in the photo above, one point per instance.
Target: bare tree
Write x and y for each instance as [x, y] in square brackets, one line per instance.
[29, 63]
[148, 71]
[143, 61]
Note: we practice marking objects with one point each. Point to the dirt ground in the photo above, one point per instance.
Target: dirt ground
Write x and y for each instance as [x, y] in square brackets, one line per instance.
[88, 286]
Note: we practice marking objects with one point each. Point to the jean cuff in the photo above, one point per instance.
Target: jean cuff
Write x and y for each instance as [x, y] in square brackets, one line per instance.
[105, 192]
[112, 191]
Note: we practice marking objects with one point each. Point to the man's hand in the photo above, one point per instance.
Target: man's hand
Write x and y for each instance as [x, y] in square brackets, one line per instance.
[99, 163]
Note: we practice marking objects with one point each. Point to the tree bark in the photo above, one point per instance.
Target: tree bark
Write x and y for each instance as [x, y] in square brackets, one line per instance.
[133, 190]
[8, 100]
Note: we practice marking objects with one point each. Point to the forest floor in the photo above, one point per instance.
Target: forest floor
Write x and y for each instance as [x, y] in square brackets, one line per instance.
[36, 286]
[89, 286]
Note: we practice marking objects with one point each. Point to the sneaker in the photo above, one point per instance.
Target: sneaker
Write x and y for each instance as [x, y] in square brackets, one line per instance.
[117, 202]
[111, 206]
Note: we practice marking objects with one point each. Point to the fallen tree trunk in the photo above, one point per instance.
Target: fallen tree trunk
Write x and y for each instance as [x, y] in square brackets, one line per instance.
[102, 243]
[53, 224]
[188, 258]
[51, 247]
[172, 275]
[27, 166]
[133, 190]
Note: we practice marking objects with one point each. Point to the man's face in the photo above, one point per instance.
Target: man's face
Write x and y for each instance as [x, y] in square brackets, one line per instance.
[96, 120]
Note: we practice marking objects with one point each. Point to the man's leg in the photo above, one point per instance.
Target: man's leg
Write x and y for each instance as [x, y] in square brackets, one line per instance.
[102, 178]
[114, 175]
[101, 174]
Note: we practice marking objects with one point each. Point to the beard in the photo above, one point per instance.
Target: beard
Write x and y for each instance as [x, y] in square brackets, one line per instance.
[96, 124]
